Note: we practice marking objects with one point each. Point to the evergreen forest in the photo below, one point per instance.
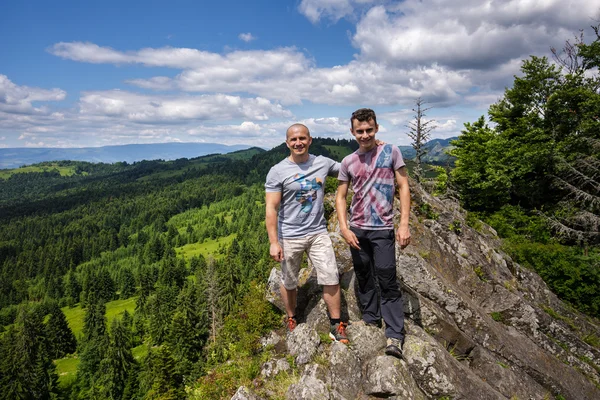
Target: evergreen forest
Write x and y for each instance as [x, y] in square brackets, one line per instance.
[147, 280]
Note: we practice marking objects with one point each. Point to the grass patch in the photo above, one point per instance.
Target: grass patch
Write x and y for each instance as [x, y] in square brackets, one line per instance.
[66, 369]
[338, 152]
[480, 274]
[498, 317]
[209, 247]
[559, 317]
[140, 351]
[114, 309]
[63, 171]
[592, 340]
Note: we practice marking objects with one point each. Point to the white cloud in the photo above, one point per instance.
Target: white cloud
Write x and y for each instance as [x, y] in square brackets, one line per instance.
[247, 37]
[156, 109]
[334, 10]
[467, 34]
[19, 99]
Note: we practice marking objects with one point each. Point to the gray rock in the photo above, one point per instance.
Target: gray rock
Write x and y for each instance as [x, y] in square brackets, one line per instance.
[302, 343]
[273, 367]
[345, 371]
[510, 381]
[387, 376]
[243, 393]
[438, 373]
[308, 387]
[366, 340]
[272, 339]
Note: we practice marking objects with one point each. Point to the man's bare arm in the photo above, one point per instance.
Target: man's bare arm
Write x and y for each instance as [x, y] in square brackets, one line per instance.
[342, 214]
[272, 201]
[403, 232]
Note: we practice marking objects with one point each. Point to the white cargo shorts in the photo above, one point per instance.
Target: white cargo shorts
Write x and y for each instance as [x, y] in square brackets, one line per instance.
[319, 250]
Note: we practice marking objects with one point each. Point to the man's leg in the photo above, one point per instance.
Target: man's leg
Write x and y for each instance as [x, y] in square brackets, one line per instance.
[322, 256]
[289, 298]
[293, 249]
[363, 268]
[384, 258]
[333, 299]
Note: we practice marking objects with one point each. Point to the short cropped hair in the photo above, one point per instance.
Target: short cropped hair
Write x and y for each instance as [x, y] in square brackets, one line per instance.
[297, 125]
[362, 115]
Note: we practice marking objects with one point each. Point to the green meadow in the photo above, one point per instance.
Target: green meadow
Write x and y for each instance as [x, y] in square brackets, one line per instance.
[208, 248]
[114, 309]
[64, 171]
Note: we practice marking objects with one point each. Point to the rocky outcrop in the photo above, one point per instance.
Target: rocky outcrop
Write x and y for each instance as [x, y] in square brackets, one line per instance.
[479, 326]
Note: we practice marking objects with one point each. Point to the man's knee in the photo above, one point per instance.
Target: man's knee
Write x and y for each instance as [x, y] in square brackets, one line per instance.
[390, 289]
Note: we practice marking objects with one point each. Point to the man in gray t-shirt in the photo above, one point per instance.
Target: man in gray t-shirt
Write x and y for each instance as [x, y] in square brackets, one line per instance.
[296, 224]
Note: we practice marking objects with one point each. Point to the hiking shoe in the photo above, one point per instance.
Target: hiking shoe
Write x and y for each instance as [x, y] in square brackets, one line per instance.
[338, 333]
[394, 347]
[290, 323]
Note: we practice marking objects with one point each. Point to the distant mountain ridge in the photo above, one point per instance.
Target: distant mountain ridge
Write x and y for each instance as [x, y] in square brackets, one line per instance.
[437, 152]
[16, 157]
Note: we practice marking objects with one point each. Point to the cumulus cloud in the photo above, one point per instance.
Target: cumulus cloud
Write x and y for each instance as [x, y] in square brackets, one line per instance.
[19, 99]
[334, 10]
[467, 34]
[247, 37]
[155, 109]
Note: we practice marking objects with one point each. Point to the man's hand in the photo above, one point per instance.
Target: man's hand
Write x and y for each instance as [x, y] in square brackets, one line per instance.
[350, 238]
[276, 252]
[403, 237]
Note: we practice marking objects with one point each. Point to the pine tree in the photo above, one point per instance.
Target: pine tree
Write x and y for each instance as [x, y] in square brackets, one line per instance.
[93, 346]
[27, 371]
[189, 328]
[115, 367]
[127, 283]
[61, 340]
[159, 378]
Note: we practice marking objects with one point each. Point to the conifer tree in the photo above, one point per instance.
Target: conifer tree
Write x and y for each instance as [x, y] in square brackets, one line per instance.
[159, 378]
[93, 346]
[161, 306]
[27, 371]
[61, 340]
[189, 328]
[126, 283]
[115, 367]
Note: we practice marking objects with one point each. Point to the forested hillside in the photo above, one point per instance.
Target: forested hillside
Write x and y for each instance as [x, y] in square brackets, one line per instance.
[174, 252]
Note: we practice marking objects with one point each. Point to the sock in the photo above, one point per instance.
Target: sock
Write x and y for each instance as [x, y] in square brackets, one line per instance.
[335, 321]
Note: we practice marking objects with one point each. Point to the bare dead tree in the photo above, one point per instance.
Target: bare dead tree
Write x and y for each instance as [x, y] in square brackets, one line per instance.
[420, 132]
[212, 300]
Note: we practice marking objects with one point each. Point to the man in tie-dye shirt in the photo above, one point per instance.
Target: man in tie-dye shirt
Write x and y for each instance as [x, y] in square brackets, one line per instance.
[373, 170]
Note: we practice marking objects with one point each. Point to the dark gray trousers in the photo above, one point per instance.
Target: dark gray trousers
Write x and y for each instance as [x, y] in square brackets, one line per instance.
[378, 290]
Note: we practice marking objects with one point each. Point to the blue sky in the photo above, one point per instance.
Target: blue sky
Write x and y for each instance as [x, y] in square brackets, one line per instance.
[91, 73]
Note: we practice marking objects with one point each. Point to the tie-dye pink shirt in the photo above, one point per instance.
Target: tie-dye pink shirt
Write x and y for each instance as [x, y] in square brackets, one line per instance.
[371, 175]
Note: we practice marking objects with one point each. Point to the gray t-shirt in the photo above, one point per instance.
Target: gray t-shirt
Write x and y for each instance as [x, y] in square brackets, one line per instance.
[301, 187]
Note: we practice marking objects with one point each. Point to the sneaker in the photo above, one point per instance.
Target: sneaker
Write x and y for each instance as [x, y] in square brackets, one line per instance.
[338, 333]
[290, 323]
[394, 347]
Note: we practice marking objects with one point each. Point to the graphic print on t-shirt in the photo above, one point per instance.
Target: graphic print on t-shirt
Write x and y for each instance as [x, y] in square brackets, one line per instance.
[308, 191]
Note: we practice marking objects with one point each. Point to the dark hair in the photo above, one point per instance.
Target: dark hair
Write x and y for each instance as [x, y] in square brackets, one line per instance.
[362, 115]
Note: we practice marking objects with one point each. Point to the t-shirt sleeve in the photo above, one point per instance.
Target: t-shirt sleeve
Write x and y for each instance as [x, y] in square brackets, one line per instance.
[334, 168]
[343, 174]
[397, 158]
[273, 183]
